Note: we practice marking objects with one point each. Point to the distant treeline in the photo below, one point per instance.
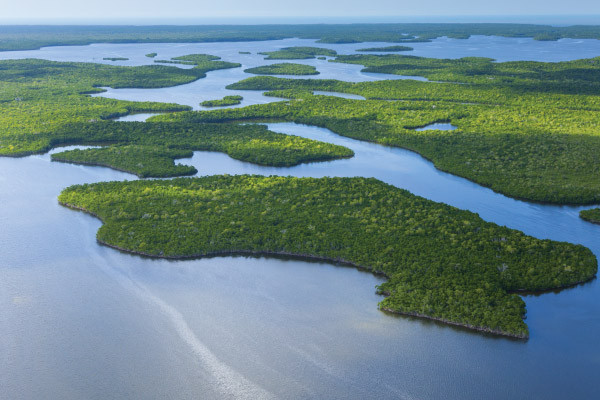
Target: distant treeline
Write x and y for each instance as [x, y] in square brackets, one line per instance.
[33, 37]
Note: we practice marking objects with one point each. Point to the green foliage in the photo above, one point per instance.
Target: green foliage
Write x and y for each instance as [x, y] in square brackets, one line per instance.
[202, 63]
[526, 129]
[225, 101]
[592, 215]
[244, 52]
[115, 58]
[284, 69]
[38, 97]
[386, 49]
[441, 262]
[569, 77]
[144, 161]
[149, 149]
[151, 55]
[298, 53]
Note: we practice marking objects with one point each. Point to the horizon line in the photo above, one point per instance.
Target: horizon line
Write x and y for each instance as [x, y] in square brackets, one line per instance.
[536, 19]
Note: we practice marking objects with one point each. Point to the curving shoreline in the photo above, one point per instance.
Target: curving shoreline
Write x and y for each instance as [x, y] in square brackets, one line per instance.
[448, 322]
[309, 257]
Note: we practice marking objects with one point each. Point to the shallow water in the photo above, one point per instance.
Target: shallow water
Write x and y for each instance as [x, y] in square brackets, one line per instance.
[81, 320]
[440, 126]
[339, 94]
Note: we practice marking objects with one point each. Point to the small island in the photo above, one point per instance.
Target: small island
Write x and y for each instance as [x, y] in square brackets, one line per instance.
[224, 102]
[298, 53]
[143, 148]
[283, 69]
[389, 49]
[151, 55]
[591, 215]
[115, 58]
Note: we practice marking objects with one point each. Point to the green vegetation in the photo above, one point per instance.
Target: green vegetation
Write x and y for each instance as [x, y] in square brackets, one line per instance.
[225, 101]
[144, 161]
[592, 215]
[149, 149]
[202, 63]
[321, 58]
[441, 262]
[244, 52]
[115, 58]
[387, 49]
[526, 129]
[42, 106]
[33, 37]
[38, 98]
[151, 55]
[284, 69]
[298, 53]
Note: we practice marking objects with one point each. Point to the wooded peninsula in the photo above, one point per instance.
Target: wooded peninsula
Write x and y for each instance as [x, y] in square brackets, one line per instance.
[441, 262]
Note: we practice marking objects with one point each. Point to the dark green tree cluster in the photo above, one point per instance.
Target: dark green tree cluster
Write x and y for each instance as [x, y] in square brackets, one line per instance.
[386, 49]
[592, 215]
[34, 37]
[567, 77]
[441, 262]
[225, 101]
[144, 161]
[526, 129]
[115, 58]
[149, 149]
[38, 97]
[202, 63]
[151, 55]
[283, 69]
[298, 53]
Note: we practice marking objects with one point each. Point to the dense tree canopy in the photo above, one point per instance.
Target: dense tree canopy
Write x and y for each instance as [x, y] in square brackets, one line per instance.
[38, 98]
[441, 262]
[298, 53]
[284, 69]
[526, 129]
[225, 101]
[33, 37]
[149, 149]
[592, 215]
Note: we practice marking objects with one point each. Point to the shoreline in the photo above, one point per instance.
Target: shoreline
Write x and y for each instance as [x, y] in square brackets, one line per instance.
[94, 164]
[459, 324]
[309, 257]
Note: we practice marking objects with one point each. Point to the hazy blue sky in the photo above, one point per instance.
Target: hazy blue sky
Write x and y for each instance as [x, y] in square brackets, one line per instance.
[169, 9]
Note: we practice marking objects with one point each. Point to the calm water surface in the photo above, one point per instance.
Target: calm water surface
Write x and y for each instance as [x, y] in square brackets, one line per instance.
[84, 321]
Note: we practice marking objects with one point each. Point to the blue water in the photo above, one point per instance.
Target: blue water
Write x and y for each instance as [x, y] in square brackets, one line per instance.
[440, 126]
[81, 320]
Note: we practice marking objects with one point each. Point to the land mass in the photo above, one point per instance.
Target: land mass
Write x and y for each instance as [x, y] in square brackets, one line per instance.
[40, 99]
[386, 49]
[441, 262]
[529, 130]
[298, 53]
[225, 101]
[283, 69]
[149, 149]
[592, 215]
[33, 37]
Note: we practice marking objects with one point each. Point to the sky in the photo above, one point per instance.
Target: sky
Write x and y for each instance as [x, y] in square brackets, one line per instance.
[302, 10]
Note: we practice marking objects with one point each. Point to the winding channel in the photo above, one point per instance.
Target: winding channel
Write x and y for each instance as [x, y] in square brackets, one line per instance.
[84, 320]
